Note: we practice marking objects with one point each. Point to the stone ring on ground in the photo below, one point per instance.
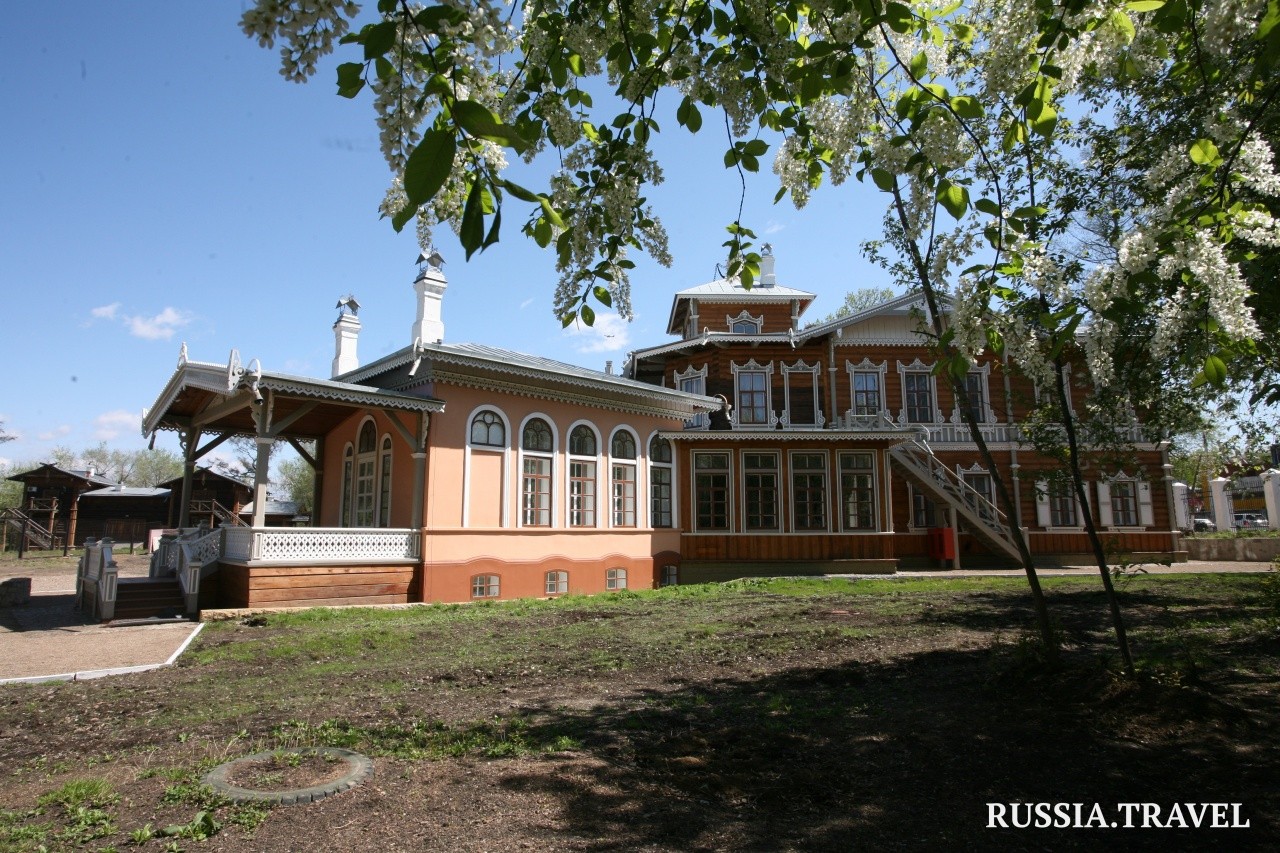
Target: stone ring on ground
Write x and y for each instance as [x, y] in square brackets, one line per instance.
[223, 778]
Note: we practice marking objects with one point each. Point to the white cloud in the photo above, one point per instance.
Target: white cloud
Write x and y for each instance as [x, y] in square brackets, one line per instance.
[109, 425]
[526, 303]
[106, 312]
[609, 334]
[54, 434]
[160, 327]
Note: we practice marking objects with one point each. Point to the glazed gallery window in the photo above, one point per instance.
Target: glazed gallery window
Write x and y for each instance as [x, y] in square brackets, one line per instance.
[858, 491]
[487, 430]
[557, 583]
[1062, 505]
[760, 490]
[711, 490]
[348, 469]
[582, 477]
[809, 491]
[366, 465]
[622, 452]
[535, 487]
[615, 579]
[975, 390]
[660, 466]
[485, 586]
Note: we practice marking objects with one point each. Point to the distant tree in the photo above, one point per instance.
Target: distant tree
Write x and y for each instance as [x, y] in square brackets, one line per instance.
[128, 467]
[153, 467]
[4, 436]
[860, 300]
[298, 479]
[11, 491]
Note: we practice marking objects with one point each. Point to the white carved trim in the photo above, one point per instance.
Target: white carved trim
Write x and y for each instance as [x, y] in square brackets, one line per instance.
[866, 366]
[752, 366]
[917, 366]
[744, 316]
[572, 457]
[991, 419]
[557, 475]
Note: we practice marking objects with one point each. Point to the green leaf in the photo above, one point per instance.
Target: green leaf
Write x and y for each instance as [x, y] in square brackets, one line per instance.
[919, 65]
[756, 147]
[1045, 121]
[550, 213]
[1215, 370]
[519, 191]
[588, 316]
[987, 206]
[429, 166]
[350, 79]
[542, 232]
[687, 114]
[477, 120]
[1204, 153]
[1124, 24]
[567, 319]
[378, 38]
[966, 106]
[883, 180]
[1144, 5]
[953, 197]
[471, 231]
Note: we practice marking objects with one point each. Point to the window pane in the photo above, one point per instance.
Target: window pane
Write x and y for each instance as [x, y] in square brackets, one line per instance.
[1124, 504]
[624, 445]
[624, 496]
[809, 488]
[487, 430]
[802, 398]
[615, 579]
[866, 394]
[753, 404]
[536, 492]
[537, 436]
[659, 449]
[919, 398]
[760, 490]
[582, 441]
[582, 493]
[557, 583]
[660, 496]
[857, 490]
[711, 490]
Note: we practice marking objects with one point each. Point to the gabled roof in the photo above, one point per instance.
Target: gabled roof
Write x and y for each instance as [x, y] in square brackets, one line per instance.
[483, 366]
[198, 389]
[50, 470]
[900, 305]
[204, 473]
[731, 290]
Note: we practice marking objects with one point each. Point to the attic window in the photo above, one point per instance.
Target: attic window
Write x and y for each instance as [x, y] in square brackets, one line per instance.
[745, 324]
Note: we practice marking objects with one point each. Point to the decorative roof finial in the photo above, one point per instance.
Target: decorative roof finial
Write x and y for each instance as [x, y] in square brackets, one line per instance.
[767, 249]
[348, 303]
[432, 259]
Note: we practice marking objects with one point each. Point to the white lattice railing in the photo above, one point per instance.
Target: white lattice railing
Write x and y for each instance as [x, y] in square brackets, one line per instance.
[322, 544]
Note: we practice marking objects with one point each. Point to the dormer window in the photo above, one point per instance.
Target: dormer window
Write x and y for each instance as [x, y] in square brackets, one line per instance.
[745, 324]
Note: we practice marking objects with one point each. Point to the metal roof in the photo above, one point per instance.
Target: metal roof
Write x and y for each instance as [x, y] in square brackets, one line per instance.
[731, 290]
[127, 492]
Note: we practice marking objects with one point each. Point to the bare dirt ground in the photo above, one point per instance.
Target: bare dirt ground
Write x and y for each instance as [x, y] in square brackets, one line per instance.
[802, 716]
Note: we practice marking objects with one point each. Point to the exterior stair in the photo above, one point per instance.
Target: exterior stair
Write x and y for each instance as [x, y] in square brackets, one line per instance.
[148, 598]
[19, 522]
[984, 520]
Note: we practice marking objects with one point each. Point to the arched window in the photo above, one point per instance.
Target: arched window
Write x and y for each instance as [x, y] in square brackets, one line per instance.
[366, 464]
[622, 452]
[537, 443]
[384, 484]
[582, 476]
[660, 479]
[487, 430]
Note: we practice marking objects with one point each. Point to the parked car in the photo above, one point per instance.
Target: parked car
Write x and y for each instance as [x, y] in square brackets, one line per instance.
[1250, 520]
[1202, 524]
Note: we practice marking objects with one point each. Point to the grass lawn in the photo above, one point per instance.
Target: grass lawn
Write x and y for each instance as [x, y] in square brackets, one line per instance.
[763, 715]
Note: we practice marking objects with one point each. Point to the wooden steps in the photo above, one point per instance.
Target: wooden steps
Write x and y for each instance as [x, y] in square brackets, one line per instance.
[148, 598]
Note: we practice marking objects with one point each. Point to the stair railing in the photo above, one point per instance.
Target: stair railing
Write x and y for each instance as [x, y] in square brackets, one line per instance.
[988, 521]
[26, 526]
[195, 555]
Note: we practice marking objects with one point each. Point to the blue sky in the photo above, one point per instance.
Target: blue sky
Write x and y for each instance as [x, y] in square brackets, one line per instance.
[163, 184]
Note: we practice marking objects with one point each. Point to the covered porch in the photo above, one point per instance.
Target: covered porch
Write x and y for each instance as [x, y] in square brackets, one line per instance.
[263, 566]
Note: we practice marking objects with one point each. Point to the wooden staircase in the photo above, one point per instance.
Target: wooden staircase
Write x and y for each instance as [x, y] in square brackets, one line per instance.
[149, 598]
[916, 460]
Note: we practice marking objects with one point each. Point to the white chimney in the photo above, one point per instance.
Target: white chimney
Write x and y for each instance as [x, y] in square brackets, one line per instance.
[345, 333]
[429, 287]
[767, 278]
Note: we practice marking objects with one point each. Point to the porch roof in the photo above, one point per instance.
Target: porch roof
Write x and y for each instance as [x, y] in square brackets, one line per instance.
[221, 397]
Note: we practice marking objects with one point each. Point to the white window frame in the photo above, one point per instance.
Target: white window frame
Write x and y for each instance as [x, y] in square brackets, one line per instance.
[348, 484]
[490, 586]
[552, 477]
[776, 470]
[939, 511]
[976, 470]
[745, 317]
[987, 414]
[615, 579]
[696, 378]
[727, 471]
[504, 513]
[386, 455]
[792, 471]
[875, 491]
[621, 463]
[569, 479]
[866, 366]
[800, 368]
[1143, 508]
[1044, 508]
[916, 367]
[365, 461]
[753, 367]
[673, 492]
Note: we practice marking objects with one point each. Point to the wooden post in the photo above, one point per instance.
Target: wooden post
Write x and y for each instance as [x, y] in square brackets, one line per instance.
[22, 540]
[189, 439]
